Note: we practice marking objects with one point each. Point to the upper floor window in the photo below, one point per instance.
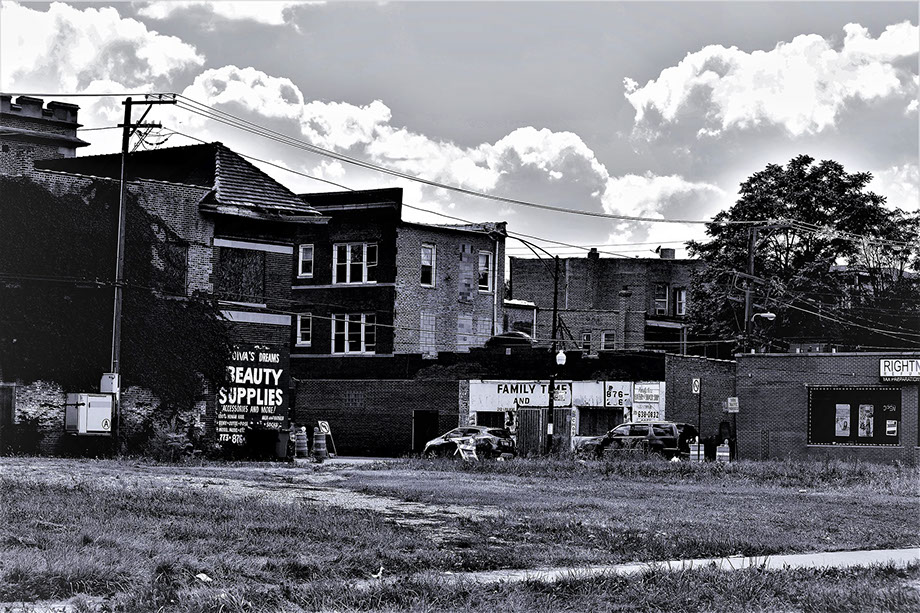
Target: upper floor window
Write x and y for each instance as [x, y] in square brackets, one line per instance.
[174, 257]
[680, 301]
[354, 263]
[586, 341]
[608, 341]
[241, 275]
[304, 330]
[485, 271]
[305, 265]
[428, 266]
[661, 299]
[354, 333]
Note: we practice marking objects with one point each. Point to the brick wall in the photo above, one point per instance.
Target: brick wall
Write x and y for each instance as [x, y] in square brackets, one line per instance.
[374, 417]
[463, 316]
[773, 394]
[717, 383]
[589, 289]
[43, 401]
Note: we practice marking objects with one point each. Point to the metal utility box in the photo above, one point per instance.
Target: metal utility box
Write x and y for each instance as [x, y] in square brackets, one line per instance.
[88, 414]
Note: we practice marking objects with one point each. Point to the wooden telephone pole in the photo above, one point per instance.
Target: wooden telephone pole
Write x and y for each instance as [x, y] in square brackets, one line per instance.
[128, 129]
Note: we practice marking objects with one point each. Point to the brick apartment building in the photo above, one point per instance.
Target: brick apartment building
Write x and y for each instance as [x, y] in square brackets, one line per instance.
[610, 303]
[369, 285]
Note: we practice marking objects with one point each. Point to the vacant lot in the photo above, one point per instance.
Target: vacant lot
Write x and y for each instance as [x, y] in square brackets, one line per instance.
[140, 537]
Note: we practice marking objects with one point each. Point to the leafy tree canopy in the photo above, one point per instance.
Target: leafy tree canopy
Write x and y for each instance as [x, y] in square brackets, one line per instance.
[56, 296]
[831, 261]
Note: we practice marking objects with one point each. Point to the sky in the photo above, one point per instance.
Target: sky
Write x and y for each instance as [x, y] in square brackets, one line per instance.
[656, 110]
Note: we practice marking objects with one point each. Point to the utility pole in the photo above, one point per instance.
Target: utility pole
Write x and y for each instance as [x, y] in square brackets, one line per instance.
[748, 299]
[128, 130]
[552, 377]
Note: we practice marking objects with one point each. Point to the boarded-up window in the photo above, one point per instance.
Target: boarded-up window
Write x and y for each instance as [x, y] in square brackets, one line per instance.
[241, 275]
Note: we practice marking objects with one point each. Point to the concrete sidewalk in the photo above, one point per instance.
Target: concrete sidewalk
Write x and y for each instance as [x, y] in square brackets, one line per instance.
[830, 559]
[835, 559]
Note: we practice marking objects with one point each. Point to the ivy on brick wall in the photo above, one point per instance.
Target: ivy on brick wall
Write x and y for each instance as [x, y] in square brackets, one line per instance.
[57, 266]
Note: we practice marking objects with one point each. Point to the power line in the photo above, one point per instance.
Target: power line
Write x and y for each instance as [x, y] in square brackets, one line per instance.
[234, 121]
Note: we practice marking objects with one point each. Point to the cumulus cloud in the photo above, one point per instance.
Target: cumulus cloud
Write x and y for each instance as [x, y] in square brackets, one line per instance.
[71, 49]
[652, 195]
[802, 85]
[269, 12]
[900, 184]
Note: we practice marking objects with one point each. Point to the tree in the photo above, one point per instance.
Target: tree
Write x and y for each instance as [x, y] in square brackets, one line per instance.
[56, 297]
[831, 261]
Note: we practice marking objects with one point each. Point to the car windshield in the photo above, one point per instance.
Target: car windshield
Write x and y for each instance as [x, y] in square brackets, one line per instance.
[499, 432]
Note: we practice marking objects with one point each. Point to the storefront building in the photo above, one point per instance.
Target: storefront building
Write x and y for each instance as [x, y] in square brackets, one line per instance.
[829, 405]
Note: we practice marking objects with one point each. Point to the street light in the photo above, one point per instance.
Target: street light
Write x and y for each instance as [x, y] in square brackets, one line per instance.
[767, 315]
[560, 362]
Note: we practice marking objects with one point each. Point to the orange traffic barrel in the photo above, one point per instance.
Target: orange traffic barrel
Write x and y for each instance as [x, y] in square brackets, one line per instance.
[301, 446]
[696, 451]
[319, 445]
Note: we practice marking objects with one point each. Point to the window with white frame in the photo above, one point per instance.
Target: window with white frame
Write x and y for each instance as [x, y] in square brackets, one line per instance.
[304, 330]
[428, 266]
[608, 341]
[680, 301]
[305, 266]
[586, 341]
[354, 333]
[354, 263]
[661, 299]
[485, 271]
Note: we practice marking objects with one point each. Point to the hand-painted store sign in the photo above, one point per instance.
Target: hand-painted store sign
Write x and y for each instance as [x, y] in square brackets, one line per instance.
[899, 369]
[257, 393]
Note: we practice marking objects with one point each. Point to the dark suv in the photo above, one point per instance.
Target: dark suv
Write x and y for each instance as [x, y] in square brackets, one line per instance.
[670, 439]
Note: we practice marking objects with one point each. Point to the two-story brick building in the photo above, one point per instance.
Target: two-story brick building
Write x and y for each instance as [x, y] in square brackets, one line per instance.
[610, 303]
[369, 285]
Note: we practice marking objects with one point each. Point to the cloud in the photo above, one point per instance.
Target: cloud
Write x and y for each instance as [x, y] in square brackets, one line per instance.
[802, 85]
[900, 185]
[652, 195]
[269, 12]
[68, 49]
[253, 90]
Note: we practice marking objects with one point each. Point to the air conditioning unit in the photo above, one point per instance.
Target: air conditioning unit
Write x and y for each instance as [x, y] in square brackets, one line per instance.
[88, 414]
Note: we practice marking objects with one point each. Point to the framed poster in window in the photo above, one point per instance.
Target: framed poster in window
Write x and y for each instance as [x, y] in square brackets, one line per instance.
[854, 415]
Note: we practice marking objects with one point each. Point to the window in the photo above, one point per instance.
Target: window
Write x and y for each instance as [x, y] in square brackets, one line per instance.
[608, 341]
[241, 275]
[304, 330]
[661, 299]
[680, 301]
[354, 333]
[305, 268]
[586, 341]
[485, 271]
[428, 266]
[354, 263]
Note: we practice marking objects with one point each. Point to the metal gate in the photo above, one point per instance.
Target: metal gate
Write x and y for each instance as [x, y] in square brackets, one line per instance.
[531, 431]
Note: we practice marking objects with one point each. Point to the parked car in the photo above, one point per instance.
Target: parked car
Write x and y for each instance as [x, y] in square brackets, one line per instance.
[489, 442]
[667, 438]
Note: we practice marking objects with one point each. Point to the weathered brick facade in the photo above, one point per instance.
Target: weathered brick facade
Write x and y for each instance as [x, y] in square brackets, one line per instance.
[375, 417]
[612, 299]
[717, 383]
[773, 391]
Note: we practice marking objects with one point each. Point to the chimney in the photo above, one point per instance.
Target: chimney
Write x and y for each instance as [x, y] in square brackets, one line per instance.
[666, 253]
[593, 254]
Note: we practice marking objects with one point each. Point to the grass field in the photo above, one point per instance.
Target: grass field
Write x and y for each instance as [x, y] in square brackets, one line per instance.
[131, 536]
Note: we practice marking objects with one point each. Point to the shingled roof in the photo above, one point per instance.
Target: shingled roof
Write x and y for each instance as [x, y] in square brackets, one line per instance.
[237, 187]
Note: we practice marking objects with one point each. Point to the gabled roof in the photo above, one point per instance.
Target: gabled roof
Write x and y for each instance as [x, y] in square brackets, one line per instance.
[237, 187]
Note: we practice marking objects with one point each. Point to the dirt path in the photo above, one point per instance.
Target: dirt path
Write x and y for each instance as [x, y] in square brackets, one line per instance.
[310, 484]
